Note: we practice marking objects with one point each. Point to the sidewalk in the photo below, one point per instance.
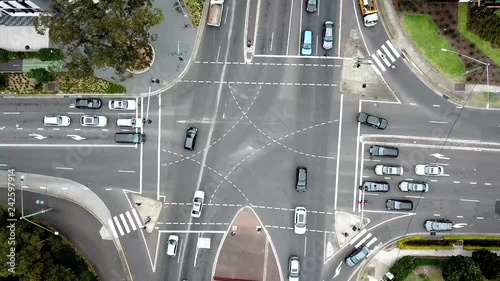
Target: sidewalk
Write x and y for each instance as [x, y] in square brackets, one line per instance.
[172, 37]
[380, 264]
[246, 252]
[419, 65]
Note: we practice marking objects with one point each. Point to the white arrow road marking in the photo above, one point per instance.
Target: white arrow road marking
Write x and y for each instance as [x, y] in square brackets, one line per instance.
[37, 136]
[76, 137]
[459, 225]
[440, 156]
[337, 271]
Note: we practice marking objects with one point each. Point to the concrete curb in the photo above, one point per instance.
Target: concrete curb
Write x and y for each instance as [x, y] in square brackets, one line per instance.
[100, 211]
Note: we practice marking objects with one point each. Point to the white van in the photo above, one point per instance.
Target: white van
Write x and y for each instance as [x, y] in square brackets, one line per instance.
[129, 122]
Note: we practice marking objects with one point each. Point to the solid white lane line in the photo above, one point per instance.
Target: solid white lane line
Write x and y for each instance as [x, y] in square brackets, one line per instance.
[413, 196]
[388, 53]
[469, 200]
[122, 217]
[112, 227]
[137, 219]
[218, 53]
[356, 237]
[131, 220]
[75, 113]
[125, 171]
[62, 145]
[12, 113]
[3, 165]
[272, 39]
[305, 246]
[438, 122]
[289, 28]
[159, 151]
[117, 223]
[356, 186]
[363, 240]
[392, 48]
[338, 151]
[64, 168]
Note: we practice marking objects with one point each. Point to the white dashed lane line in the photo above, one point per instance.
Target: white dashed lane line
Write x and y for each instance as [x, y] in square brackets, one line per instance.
[259, 83]
[254, 206]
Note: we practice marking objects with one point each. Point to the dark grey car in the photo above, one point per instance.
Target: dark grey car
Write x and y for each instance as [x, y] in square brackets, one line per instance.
[130, 138]
[374, 121]
[311, 6]
[301, 179]
[190, 140]
[402, 205]
[375, 186]
[384, 151]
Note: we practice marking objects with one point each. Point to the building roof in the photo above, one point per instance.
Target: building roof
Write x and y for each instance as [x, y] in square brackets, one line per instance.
[6, 20]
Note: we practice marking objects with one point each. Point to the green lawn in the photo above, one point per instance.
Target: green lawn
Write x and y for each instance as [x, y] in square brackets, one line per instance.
[426, 273]
[423, 32]
[484, 46]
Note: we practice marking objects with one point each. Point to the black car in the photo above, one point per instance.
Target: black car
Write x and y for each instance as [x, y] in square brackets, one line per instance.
[130, 138]
[88, 103]
[370, 120]
[375, 186]
[301, 179]
[384, 151]
[190, 141]
[311, 6]
[395, 204]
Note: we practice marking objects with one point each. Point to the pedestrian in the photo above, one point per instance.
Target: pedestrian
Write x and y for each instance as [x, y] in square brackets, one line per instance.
[233, 233]
[364, 85]
[138, 204]
[393, 66]
[144, 227]
[382, 56]
[181, 59]
[148, 219]
[150, 121]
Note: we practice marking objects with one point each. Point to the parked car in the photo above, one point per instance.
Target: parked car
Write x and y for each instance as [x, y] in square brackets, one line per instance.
[172, 243]
[130, 138]
[384, 151]
[402, 205]
[312, 6]
[293, 268]
[86, 103]
[429, 170]
[374, 121]
[357, 256]
[413, 186]
[375, 186]
[328, 35]
[56, 120]
[197, 208]
[300, 221]
[131, 122]
[306, 46]
[93, 121]
[301, 179]
[190, 140]
[388, 170]
[438, 225]
[122, 104]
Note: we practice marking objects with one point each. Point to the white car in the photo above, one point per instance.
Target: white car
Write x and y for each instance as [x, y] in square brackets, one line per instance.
[293, 268]
[56, 120]
[300, 221]
[172, 243]
[388, 170]
[429, 170]
[122, 104]
[198, 199]
[131, 122]
[93, 121]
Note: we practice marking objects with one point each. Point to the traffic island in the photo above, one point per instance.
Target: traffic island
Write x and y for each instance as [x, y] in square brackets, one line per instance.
[246, 252]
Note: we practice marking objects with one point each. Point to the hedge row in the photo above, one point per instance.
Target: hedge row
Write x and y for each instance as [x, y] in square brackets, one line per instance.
[470, 243]
[420, 243]
[46, 54]
[406, 265]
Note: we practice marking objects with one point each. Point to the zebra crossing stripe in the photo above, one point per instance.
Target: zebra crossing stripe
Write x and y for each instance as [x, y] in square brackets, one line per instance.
[117, 223]
[137, 219]
[122, 217]
[392, 48]
[388, 53]
[371, 242]
[355, 238]
[363, 240]
[383, 58]
[380, 65]
[131, 220]
[376, 69]
[112, 227]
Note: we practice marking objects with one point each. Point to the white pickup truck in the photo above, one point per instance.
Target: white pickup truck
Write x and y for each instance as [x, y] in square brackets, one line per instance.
[215, 12]
[131, 122]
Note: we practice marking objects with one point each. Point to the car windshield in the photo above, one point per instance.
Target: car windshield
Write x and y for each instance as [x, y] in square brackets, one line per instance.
[171, 242]
[301, 220]
[307, 46]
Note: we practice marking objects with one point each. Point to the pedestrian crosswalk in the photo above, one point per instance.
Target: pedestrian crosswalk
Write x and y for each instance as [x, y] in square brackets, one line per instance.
[384, 57]
[122, 223]
[364, 238]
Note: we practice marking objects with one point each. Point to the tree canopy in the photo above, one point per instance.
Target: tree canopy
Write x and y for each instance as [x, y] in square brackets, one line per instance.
[461, 268]
[105, 34]
[488, 262]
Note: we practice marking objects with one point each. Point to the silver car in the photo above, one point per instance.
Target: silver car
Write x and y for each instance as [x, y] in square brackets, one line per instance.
[413, 186]
[388, 170]
[56, 120]
[328, 35]
[93, 121]
[438, 225]
[357, 256]
[300, 220]
[293, 268]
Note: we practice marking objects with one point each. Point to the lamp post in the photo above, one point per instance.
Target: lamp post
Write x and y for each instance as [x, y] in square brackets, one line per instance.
[485, 65]
[153, 80]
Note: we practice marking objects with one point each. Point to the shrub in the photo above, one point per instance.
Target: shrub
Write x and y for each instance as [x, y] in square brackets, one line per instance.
[406, 265]
[4, 81]
[115, 89]
[4, 56]
[50, 54]
[41, 75]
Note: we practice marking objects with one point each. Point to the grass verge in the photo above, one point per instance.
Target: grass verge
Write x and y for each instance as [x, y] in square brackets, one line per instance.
[424, 33]
[426, 273]
[195, 9]
[404, 267]
[484, 46]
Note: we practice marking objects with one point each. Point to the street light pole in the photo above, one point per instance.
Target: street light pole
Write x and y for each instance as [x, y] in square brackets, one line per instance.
[485, 64]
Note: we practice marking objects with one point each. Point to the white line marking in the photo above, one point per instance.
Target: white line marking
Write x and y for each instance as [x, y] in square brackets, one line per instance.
[363, 240]
[480, 218]
[388, 53]
[383, 58]
[338, 151]
[392, 48]
[137, 219]
[131, 220]
[3, 165]
[62, 145]
[218, 53]
[305, 246]
[371, 242]
[438, 122]
[412, 196]
[12, 113]
[437, 215]
[456, 181]
[64, 168]
[473, 182]
[436, 105]
[124, 171]
[460, 217]
[359, 235]
[272, 39]
[375, 58]
[117, 223]
[289, 28]
[122, 217]
[487, 183]
[112, 227]
[469, 200]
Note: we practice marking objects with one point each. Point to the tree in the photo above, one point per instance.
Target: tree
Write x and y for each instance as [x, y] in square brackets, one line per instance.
[488, 262]
[41, 75]
[461, 268]
[110, 33]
